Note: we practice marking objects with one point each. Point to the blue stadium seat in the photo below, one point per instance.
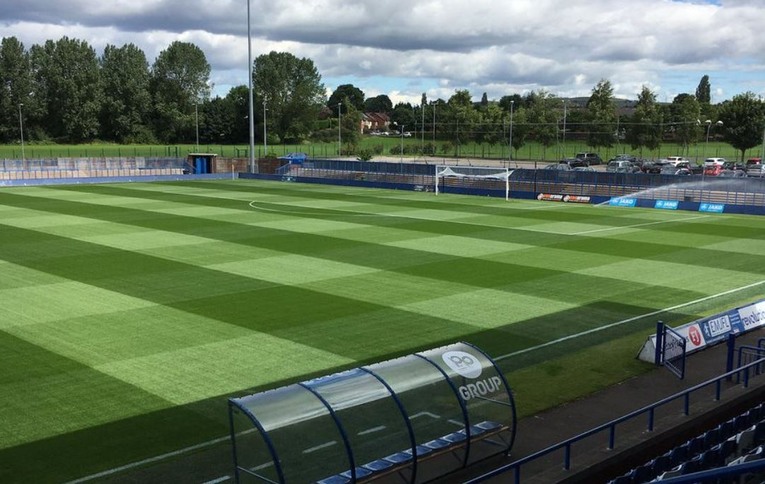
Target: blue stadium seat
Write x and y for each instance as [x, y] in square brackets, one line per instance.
[674, 472]
[488, 425]
[437, 444]
[421, 450]
[398, 458]
[360, 472]
[679, 454]
[696, 445]
[745, 439]
[711, 438]
[754, 454]
[378, 465]
[336, 479]
[759, 433]
[712, 457]
[455, 437]
[661, 464]
[691, 466]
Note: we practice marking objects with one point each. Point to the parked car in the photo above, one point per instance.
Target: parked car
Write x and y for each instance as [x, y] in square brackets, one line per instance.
[622, 166]
[559, 167]
[754, 167]
[732, 173]
[712, 169]
[675, 160]
[590, 158]
[670, 169]
[714, 161]
[574, 162]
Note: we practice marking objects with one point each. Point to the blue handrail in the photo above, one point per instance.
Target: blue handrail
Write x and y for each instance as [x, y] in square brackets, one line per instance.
[516, 466]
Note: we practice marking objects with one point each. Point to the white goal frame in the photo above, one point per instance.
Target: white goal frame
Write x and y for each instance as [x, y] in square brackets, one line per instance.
[473, 173]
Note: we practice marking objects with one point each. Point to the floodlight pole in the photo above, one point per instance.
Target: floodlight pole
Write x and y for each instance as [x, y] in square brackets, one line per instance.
[196, 119]
[402, 143]
[249, 79]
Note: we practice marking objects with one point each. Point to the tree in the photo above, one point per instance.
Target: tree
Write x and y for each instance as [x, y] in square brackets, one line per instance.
[179, 82]
[294, 90]
[378, 104]
[743, 119]
[458, 119]
[403, 115]
[236, 105]
[505, 101]
[15, 87]
[346, 93]
[542, 117]
[645, 129]
[704, 91]
[126, 101]
[602, 115]
[684, 121]
[68, 75]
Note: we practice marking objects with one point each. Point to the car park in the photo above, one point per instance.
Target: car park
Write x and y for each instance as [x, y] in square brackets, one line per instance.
[670, 169]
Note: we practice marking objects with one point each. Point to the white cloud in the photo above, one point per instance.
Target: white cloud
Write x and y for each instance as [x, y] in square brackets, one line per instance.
[495, 46]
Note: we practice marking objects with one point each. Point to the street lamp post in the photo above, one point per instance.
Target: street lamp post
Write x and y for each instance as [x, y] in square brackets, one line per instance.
[21, 131]
[402, 143]
[339, 130]
[512, 103]
[709, 128]
[196, 120]
[564, 128]
[434, 127]
[265, 128]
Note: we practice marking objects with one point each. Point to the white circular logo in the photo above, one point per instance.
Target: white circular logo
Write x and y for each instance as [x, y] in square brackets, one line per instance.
[463, 363]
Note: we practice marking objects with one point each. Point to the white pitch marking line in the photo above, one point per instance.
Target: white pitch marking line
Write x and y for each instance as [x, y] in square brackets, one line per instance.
[150, 460]
[319, 447]
[583, 232]
[628, 320]
[372, 430]
[525, 229]
[220, 479]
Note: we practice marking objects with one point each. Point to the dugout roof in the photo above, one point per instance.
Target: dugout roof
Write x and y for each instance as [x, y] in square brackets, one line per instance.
[396, 416]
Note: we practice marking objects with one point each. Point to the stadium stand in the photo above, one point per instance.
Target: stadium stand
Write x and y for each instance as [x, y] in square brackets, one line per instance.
[724, 445]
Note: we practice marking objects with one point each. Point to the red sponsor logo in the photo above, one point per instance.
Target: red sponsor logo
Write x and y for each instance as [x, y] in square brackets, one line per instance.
[576, 199]
[694, 335]
[549, 197]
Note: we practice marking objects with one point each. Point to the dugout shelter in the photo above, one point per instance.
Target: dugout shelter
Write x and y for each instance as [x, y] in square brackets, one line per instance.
[410, 419]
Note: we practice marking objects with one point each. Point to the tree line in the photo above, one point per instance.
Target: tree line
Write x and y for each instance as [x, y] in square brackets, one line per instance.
[62, 91]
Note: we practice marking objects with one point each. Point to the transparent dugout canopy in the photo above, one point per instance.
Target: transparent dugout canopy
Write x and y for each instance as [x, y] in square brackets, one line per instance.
[410, 419]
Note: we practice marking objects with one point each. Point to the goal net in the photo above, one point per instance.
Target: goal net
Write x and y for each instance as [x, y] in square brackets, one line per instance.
[472, 177]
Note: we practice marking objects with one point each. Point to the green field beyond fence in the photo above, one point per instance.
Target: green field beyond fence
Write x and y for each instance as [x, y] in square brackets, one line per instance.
[381, 146]
[131, 311]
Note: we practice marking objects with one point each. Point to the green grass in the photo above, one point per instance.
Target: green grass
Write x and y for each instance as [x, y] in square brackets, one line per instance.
[131, 311]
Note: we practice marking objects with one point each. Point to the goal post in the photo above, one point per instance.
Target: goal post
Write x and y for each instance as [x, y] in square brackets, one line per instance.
[471, 177]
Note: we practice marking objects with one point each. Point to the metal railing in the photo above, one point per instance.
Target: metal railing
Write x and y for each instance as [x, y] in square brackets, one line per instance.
[610, 427]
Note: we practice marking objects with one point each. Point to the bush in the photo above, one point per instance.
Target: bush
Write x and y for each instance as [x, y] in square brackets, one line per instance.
[365, 154]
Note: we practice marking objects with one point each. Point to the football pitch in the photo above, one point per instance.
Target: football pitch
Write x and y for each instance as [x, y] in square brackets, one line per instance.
[130, 312]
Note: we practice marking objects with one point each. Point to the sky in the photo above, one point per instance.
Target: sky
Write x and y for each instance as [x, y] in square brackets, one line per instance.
[404, 49]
